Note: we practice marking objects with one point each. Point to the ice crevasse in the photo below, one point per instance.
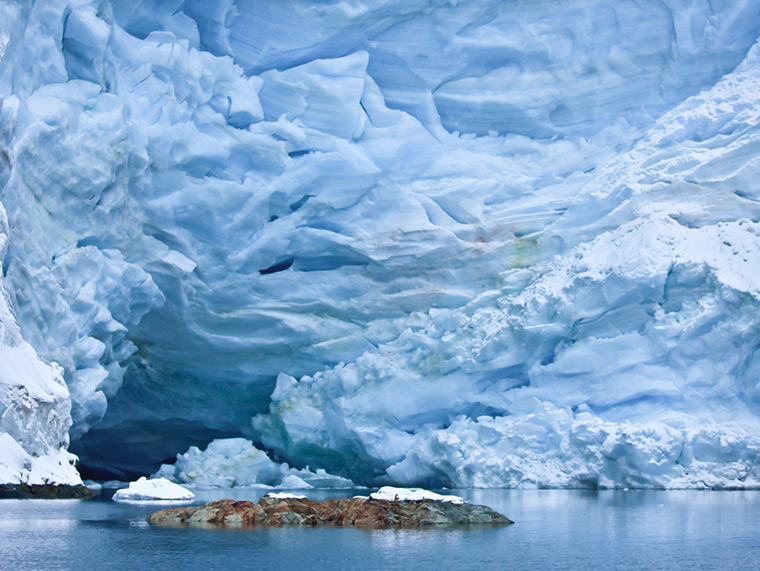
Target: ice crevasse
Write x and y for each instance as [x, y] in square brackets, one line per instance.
[421, 243]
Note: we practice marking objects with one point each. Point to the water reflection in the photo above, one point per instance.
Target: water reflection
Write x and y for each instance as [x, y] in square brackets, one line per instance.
[555, 529]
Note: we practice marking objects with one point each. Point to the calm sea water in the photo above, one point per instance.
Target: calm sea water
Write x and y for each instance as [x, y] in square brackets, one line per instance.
[554, 530]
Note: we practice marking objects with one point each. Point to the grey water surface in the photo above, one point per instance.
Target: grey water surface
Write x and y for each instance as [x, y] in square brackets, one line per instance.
[555, 529]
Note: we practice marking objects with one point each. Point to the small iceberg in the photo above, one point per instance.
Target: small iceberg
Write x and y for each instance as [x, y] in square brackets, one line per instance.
[158, 489]
[390, 493]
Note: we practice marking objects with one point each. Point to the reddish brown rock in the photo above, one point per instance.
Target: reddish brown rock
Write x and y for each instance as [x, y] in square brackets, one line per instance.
[358, 512]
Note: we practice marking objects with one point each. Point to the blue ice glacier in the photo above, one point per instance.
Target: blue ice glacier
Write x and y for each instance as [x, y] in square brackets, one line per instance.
[34, 406]
[429, 242]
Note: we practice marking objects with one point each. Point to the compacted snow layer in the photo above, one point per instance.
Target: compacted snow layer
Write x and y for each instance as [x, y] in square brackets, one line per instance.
[422, 242]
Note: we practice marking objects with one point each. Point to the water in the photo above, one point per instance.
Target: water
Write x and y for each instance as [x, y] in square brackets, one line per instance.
[555, 529]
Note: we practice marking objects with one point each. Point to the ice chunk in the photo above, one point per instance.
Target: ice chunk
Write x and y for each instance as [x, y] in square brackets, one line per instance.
[236, 462]
[155, 489]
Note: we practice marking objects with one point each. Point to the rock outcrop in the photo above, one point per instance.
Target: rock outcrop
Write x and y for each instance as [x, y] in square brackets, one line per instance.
[344, 512]
[45, 492]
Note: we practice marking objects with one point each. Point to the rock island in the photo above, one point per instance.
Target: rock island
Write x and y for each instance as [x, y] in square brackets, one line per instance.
[388, 508]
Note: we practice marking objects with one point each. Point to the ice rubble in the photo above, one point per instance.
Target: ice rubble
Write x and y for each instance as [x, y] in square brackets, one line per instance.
[421, 242]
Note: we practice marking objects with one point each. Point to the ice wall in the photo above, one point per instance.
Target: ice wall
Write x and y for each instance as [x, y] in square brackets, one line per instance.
[403, 237]
[34, 406]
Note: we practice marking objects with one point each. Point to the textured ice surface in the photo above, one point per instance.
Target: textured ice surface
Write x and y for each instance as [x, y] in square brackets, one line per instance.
[418, 242]
[34, 406]
[237, 463]
[155, 489]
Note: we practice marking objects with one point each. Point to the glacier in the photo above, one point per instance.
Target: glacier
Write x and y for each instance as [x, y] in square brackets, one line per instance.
[423, 243]
[34, 406]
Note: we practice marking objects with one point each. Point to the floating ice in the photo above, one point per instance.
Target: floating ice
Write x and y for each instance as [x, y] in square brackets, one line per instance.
[155, 489]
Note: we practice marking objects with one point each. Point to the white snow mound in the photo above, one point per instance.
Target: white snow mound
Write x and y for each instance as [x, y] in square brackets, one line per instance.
[159, 489]
[412, 495]
[284, 496]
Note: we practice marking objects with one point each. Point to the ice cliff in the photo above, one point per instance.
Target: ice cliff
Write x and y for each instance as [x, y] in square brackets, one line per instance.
[34, 406]
[467, 243]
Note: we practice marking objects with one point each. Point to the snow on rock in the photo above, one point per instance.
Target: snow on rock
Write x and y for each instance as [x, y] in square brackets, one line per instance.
[236, 462]
[284, 496]
[155, 489]
[412, 495]
[375, 235]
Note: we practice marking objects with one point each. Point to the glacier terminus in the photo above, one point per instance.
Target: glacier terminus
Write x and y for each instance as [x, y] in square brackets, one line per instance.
[440, 243]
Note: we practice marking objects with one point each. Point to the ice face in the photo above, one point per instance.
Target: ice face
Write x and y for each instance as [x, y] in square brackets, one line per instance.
[34, 406]
[392, 233]
[607, 365]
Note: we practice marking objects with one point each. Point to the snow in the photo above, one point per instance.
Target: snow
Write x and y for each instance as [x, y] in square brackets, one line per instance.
[284, 496]
[155, 489]
[425, 243]
[412, 495]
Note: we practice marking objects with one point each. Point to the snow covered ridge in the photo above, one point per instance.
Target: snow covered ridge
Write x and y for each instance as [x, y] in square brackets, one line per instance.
[424, 242]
